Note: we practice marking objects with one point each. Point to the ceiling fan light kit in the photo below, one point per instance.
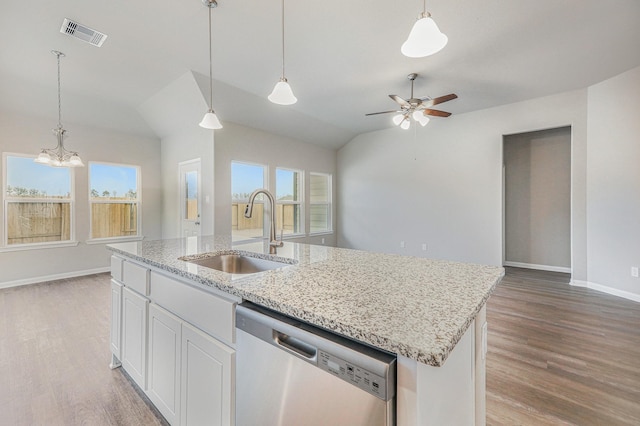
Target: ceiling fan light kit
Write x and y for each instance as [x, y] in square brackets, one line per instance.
[210, 119]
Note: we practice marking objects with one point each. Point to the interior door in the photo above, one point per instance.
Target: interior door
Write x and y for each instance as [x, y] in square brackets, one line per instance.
[189, 202]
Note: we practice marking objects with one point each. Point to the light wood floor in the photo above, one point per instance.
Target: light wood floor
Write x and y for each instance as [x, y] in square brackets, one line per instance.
[561, 355]
[557, 355]
[54, 358]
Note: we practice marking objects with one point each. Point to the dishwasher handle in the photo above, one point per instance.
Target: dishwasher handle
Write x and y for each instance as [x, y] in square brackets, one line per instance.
[295, 345]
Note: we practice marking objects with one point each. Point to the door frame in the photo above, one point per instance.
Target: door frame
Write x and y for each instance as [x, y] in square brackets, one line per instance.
[197, 164]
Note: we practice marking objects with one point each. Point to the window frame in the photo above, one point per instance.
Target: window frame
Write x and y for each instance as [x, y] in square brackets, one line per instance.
[6, 200]
[300, 203]
[259, 199]
[138, 201]
[328, 203]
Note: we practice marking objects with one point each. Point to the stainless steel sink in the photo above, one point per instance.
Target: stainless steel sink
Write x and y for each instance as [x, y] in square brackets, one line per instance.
[236, 263]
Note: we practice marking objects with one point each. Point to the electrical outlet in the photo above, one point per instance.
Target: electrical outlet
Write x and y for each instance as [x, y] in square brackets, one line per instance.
[401, 244]
[634, 271]
[323, 241]
[424, 246]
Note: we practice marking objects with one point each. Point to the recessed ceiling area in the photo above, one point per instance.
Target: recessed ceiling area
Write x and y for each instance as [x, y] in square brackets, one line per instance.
[343, 58]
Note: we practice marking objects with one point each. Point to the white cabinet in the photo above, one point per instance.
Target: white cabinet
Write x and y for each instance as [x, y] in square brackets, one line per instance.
[208, 368]
[163, 381]
[115, 332]
[134, 335]
[175, 341]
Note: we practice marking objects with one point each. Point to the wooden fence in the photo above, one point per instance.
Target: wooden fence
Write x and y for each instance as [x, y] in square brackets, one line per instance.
[38, 222]
[239, 222]
[114, 220]
[42, 222]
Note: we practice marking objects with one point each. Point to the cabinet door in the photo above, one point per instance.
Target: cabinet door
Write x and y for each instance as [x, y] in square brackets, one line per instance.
[116, 306]
[208, 374]
[134, 335]
[163, 380]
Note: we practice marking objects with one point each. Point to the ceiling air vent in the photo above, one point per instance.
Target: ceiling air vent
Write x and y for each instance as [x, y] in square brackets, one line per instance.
[83, 33]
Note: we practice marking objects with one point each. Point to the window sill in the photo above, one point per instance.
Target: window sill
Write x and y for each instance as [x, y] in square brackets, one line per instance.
[317, 233]
[38, 246]
[290, 236]
[113, 240]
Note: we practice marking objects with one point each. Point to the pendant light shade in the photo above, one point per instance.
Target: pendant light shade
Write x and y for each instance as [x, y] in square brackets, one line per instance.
[282, 93]
[405, 124]
[59, 156]
[425, 37]
[210, 119]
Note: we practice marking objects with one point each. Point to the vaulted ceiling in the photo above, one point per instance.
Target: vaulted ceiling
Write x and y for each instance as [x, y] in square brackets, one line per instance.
[343, 57]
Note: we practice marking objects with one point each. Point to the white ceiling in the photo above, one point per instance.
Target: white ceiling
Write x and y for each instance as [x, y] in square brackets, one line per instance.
[343, 57]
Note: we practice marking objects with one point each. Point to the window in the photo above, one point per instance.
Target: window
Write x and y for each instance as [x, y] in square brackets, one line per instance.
[289, 190]
[245, 178]
[320, 203]
[114, 195]
[38, 202]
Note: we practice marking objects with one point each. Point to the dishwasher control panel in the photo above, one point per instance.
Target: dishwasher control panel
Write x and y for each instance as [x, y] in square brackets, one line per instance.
[353, 374]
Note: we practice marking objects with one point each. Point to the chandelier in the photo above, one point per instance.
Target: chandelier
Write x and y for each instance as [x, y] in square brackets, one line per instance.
[59, 156]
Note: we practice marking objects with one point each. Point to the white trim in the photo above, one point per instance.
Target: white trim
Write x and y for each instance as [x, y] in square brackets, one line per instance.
[112, 240]
[53, 277]
[605, 289]
[38, 246]
[538, 267]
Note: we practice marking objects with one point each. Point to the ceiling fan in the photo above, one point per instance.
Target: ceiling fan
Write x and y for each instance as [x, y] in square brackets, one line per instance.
[417, 108]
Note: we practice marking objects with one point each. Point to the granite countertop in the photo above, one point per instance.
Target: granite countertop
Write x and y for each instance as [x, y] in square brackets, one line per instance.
[415, 307]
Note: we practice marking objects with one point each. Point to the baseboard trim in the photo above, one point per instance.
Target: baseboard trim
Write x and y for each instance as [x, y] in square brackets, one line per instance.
[538, 267]
[606, 289]
[35, 280]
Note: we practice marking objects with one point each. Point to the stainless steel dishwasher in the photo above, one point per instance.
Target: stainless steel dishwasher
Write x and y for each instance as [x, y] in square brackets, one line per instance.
[289, 373]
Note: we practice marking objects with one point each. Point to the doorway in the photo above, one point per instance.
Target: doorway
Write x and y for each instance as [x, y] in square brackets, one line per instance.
[537, 200]
[189, 202]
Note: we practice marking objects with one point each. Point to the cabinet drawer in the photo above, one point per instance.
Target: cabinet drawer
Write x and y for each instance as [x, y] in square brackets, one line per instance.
[212, 314]
[116, 267]
[136, 277]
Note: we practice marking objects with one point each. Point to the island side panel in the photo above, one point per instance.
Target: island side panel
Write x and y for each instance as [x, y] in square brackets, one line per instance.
[481, 367]
[434, 396]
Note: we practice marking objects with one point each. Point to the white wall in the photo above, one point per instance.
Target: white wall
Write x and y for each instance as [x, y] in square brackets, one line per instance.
[240, 143]
[174, 114]
[613, 197]
[442, 184]
[28, 134]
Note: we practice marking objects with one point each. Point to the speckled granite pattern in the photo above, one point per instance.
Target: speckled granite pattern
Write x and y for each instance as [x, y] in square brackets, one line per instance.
[415, 307]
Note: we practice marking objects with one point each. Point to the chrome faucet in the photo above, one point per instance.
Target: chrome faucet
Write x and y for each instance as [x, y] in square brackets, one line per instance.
[273, 241]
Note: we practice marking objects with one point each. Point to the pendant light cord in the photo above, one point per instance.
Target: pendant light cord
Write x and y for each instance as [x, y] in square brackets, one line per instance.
[58, 54]
[283, 39]
[210, 64]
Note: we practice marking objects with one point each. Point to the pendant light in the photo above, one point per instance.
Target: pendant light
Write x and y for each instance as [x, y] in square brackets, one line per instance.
[282, 93]
[59, 156]
[210, 119]
[425, 37]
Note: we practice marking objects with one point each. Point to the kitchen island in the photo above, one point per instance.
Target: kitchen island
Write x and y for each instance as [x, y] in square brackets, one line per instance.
[428, 312]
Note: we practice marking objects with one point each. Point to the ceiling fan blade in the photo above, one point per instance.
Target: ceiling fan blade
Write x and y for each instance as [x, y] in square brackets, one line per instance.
[444, 98]
[436, 113]
[400, 101]
[383, 112]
